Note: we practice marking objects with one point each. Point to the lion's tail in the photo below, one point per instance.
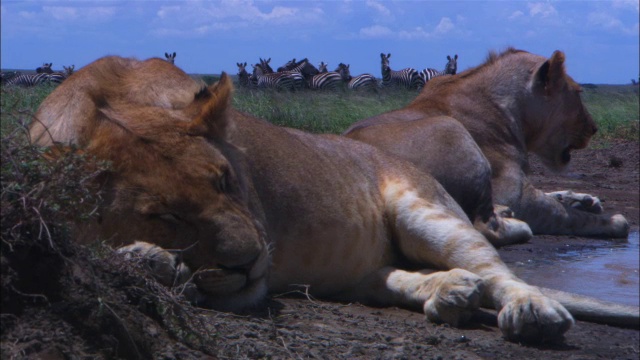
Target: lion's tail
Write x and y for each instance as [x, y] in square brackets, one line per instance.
[593, 310]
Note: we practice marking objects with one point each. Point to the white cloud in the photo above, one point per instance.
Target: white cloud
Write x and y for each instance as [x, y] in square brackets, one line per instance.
[28, 15]
[61, 12]
[516, 14]
[167, 11]
[541, 9]
[376, 31]
[611, 23]
[67, 13]
[627, 4]
[203, 17]
[381, 9]
[445, 26]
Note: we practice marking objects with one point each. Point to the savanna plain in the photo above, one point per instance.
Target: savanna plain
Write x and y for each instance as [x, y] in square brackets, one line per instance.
[64, 301]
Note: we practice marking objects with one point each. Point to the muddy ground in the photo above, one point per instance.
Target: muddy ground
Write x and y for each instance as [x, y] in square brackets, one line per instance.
[126, 316]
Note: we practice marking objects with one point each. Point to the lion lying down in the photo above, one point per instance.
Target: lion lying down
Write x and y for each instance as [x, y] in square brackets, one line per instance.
[472, 132]
[254, 208]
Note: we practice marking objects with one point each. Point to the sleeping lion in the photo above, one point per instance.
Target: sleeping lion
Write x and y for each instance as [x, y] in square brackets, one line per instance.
[252, 208]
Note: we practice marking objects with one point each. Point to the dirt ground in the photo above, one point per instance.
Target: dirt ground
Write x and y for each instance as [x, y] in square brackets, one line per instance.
[299, 327]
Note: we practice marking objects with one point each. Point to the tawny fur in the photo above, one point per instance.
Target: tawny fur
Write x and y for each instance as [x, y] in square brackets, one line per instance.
[251, 207]
[473, 132]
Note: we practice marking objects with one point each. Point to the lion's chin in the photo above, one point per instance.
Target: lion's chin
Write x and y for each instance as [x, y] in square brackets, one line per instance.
[248, 296]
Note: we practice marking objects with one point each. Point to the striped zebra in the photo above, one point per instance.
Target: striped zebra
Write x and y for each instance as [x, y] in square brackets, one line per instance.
[407, 78]
[171, 58]
[265, 66]
[450, 69]
[325, 80]
[29, 80]
[244, 78]
[58, 77]
[45, 69]
[299, 79]
[279, 80]
[68, 70]
[303, 66]
[5, 76]
[364, 81]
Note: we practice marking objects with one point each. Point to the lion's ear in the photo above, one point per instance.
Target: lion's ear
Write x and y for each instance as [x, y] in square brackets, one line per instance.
[212, 120]
[550, 76]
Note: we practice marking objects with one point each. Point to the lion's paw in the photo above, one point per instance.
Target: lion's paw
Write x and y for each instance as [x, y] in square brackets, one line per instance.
[162, 264]
[456, 298]
[534, 318]
[503, 211]
[579, 201]
[620, 226]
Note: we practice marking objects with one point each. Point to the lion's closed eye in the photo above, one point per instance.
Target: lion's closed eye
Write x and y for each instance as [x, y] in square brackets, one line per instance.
[168, 217]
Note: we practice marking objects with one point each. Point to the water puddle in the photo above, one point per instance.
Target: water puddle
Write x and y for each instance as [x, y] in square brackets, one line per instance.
[608, 273]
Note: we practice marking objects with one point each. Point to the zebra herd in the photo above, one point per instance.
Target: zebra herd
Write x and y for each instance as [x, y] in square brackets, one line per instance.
[291, 76]
[302, 74]
[43, 74]
[410, 78]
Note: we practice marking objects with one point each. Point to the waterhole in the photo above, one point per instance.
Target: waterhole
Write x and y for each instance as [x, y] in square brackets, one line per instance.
[608, 273]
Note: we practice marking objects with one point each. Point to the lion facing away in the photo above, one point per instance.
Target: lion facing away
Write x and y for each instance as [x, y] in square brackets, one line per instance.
[254, 208]
[472, 132]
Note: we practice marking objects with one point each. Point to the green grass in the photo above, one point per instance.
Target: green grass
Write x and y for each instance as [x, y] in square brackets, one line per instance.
[318, 111]
[615, 108]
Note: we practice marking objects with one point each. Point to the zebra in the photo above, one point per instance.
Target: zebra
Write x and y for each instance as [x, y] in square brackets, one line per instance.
[244, 78]
[325, 79]
[264, 64]
[59, 76]
[279, 80]
[303, 67]
[364, 81]
[407, 78]
[171, 58]
[299, 78]
[68, 70]
[45, 69]
[5, 76]
[450, 69]
[290, 65]
[29, 80]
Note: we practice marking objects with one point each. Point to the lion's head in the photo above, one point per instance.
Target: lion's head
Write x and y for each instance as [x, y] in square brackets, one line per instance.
[178, 183]
[557, 112]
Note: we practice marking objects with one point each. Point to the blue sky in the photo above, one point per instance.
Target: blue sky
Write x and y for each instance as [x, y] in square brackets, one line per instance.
[600, 38]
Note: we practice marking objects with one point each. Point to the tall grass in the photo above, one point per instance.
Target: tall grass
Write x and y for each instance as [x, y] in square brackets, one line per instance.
[615, 108]
[319, 111]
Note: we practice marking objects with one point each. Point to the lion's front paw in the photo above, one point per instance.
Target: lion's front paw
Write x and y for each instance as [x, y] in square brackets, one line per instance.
[534, 318]
[162, 264]
[456, 298]
[579, 201]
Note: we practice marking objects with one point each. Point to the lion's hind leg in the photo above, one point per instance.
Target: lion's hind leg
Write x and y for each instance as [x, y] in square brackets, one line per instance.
[578, 201]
